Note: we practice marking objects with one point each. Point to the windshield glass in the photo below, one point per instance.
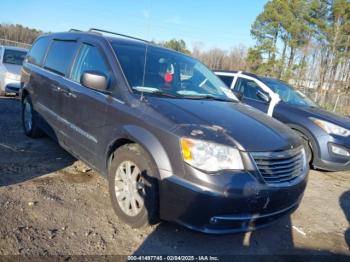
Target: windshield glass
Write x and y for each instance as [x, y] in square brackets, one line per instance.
[154, 70]
[287, 93]
[14, 57]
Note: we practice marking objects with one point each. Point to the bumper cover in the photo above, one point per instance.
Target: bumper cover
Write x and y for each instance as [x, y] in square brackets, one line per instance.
[12, 86]
[327, 160]
[242, 204]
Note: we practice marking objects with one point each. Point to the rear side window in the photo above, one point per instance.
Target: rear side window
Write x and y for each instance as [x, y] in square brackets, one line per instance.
[60, 56]
[14, 57]
[89, 59]
[38, 50]
[226, 79]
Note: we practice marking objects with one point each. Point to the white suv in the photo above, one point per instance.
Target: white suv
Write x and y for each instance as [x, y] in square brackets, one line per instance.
[11, 60]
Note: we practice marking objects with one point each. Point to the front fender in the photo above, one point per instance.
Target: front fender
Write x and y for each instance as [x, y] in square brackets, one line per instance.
[152, 145]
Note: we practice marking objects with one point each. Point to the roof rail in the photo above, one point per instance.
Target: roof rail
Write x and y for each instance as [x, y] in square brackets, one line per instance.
[95, 30]
[74, 30]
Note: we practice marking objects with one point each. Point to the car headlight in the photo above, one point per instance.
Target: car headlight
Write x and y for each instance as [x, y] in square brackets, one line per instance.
[12, 76]
[331, 128]
[210, 156]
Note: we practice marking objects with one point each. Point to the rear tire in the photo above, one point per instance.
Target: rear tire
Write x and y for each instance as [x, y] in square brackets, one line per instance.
[133, 186]
[30, 120]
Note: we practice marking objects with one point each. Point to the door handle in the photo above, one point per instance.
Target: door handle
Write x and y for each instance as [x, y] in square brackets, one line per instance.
[67, 92]
[55, 88]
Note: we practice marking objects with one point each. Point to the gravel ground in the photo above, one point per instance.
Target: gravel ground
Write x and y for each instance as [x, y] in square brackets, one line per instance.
[50, 204]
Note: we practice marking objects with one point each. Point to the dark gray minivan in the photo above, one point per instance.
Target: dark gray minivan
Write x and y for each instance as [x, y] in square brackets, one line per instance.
[174, 142]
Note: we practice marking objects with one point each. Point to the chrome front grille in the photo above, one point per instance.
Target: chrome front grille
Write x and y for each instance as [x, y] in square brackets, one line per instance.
[279, 167]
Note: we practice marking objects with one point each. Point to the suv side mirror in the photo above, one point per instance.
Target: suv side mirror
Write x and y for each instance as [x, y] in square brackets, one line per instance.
[239, 95]
[94, 80]
[263, 96]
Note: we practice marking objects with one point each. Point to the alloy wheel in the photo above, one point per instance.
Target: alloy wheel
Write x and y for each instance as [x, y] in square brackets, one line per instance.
[129, 188]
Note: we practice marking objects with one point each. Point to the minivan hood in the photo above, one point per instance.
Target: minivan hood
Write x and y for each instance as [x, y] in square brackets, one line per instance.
[322, 114]
[251, 129]
[14, 69]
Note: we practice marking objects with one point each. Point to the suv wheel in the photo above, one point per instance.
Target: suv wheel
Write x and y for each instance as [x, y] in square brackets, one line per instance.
[29, 120]
[133, 187]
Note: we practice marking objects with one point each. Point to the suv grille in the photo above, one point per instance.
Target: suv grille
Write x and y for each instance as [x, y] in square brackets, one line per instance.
[282, 166]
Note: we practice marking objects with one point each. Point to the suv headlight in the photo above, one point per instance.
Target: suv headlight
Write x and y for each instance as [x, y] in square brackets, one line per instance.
[12, 76]
[331, 128]
[210, 156]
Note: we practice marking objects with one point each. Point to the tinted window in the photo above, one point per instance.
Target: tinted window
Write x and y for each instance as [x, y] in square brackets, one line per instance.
[89, 59]
[60, 56]
[248, 88]
[38, 50]
[14, 57]
[226, 79]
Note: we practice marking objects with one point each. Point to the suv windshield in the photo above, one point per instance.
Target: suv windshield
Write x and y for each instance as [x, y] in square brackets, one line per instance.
[159, 71]
[14, 57]
[287, 93]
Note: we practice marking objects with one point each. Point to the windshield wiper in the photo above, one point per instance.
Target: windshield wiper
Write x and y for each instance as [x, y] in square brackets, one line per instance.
[154, 91]
[209, 97]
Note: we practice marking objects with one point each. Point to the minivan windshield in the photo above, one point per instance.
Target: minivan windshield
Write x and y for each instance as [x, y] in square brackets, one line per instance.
[14, 57]
[287, 93]
[162, 72]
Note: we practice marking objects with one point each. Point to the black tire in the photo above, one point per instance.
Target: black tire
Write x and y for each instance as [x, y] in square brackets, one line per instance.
[32, 130]
[135, 154]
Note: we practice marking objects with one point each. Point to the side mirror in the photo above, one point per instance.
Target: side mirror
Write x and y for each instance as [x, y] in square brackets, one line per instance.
[239, 95]
[94, 80]
[263, 96]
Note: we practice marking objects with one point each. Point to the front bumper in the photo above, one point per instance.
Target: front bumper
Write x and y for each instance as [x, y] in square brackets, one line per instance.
[12, 86]
[227, 203]
[326, 159]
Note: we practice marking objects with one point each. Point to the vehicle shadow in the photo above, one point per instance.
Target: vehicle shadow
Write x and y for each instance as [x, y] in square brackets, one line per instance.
[23, 158]
[344, 202]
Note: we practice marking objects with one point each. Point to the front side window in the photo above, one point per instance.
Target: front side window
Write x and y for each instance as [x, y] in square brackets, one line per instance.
[248, 88]
[14, 57]
[60, 56]
[226, 79]
[151, 69]
[38, 50]
[89, 59]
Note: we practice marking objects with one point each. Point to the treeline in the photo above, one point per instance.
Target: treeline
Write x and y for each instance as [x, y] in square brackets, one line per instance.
[215, 58]
[304, 40]
[18, 33]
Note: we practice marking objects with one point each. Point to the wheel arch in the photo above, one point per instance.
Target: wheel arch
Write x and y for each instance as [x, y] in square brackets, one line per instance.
[139, 135]
[309, 136]
[24, 93]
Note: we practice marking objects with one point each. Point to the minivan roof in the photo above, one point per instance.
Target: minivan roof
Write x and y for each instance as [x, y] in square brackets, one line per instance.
[73, 35]
[121, 39]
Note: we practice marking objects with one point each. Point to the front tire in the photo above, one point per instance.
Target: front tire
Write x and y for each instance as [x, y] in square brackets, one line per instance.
[133, 186]
[29, 119]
